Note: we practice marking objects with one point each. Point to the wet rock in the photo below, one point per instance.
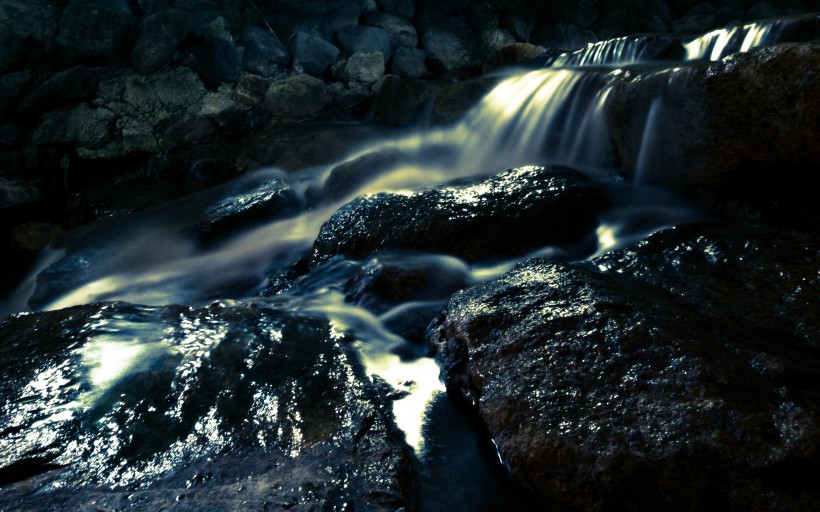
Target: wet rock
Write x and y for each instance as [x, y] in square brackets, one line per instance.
[251, 89]
[408, 62]
[495, 39]
[607, 386]
[364, 68]
[401, 101]
[160, 34]
[216, 61]
[244, 209]
[394, 278]
[264, 53]
[401, 31]
[91, 30]
[299, 96]
[484, 220]
[211, 408]
[187, 131]
[363, 39]
[65, 87]
[312, 54]
[732, 163]
[14, 192]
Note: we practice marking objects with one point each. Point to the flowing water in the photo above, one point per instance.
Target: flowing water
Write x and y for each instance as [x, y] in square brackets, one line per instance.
[553, 115]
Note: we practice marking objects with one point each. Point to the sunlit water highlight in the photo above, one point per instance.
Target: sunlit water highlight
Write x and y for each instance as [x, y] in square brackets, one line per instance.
[544, 116]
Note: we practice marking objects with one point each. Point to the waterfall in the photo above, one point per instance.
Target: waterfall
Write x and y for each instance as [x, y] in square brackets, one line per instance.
[553, 115]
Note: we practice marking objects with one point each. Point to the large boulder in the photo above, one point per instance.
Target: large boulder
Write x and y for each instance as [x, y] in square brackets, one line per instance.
[160, 34]
[148, 408]
[94, 30]
[299, 96]
[312, 54]
[738, 133]
[498, 217]
[401, 101]
[681, 374]
[264, 53]
[363, 39]
[401, 31]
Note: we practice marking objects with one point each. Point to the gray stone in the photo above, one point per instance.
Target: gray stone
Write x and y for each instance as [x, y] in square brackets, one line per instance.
[91, 30]
[30, 19]
[401, 31]
[364, 68]
[13, 193]
[251, 89]
[177, 88]
[82, 125]
[408, 62]
[297, 97]
[68, 86]
[496, 38]
[159, 36]
[216, 61]
[312, 54]
[363, 39]
[264, 53]
[446, 50]
[403, 8]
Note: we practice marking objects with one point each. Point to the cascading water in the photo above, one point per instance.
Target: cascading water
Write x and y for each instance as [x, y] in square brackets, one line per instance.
[554, 115]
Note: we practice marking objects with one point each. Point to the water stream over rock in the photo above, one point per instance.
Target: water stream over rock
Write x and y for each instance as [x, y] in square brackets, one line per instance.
[351, 259]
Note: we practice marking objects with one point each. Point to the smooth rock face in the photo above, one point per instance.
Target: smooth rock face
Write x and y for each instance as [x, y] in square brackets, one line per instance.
[609, 387]
[409, 62]
[364, 68]
[223, 408]
[363, 39]
[502, 216]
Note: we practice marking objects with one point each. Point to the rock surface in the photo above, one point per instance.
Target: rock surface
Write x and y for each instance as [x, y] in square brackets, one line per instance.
[626, 383]
[223, 407]
[502, 216]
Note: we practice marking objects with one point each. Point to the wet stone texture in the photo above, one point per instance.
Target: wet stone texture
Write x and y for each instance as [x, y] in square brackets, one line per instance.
[114, 406]
[499, 217]
[681, 374]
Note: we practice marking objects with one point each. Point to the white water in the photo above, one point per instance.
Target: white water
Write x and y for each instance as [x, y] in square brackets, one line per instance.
[547, 116]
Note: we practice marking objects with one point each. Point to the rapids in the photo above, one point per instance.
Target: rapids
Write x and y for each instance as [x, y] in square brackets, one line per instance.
[552, 115]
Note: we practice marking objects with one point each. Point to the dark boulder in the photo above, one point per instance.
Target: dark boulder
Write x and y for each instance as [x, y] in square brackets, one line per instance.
[363, 39]
[244, 209]
[12, 46]
[264, 53]
[401, 101]
[743, 128]
[94, 30]
[216, 61]
[401, 31]
[498, 217]
[681, 374]
[12, 88]
[63, 88]
[455, 100]
[312, 54]
[160, 34]
[408, 62]
[297, 97]
[218, 408]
